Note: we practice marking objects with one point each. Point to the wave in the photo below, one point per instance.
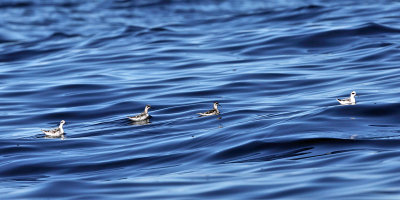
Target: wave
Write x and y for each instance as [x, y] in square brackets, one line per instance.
[276, 68]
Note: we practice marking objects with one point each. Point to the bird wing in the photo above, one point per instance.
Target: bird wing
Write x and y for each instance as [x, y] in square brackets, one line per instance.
[140, 116]
[208, 112]
[345, 99]
[51, 131]
[55, 130]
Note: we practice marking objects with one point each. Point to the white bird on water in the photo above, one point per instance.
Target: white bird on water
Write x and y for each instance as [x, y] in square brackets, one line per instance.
[348, 101]
[214, 111]
[142, 116]
[57, 132]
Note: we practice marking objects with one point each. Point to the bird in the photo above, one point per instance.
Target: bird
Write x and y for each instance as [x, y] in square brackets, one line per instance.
[142, 116]
[214, 111]
[56, 132]
[348, 101]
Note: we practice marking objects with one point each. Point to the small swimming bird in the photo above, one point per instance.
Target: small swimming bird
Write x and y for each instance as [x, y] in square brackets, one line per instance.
[214, 111]
[142, 116]
[57, 132]
[348, 101]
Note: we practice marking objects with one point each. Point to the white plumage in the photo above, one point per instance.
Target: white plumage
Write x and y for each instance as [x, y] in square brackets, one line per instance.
[56, 132]
[348, 101]
[142, 116]
[214, 111]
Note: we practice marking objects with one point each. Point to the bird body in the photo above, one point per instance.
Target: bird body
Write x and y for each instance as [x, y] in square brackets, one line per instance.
[214, 111]
[142, 116]
[57, 132]
[348, 101]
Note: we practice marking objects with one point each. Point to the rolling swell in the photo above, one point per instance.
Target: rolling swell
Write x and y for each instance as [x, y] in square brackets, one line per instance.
[276, 68]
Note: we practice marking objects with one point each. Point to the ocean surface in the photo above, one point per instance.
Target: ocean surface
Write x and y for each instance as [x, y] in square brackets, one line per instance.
[275, 67]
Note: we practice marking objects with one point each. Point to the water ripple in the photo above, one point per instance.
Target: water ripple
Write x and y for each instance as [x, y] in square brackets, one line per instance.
[276, 68]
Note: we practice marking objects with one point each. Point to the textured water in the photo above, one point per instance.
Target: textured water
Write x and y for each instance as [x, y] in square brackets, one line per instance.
[275, 67]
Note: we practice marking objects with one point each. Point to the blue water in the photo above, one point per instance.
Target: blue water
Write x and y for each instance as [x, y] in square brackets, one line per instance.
[276, 67]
